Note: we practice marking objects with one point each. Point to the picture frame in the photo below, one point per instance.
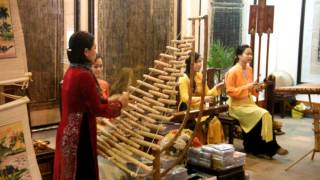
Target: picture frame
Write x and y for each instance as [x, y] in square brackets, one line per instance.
[309, 46]
[17, 156]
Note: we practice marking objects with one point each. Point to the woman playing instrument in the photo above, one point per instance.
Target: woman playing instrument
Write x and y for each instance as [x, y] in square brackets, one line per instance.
[184, 83]
[256, 122]
[76, 151]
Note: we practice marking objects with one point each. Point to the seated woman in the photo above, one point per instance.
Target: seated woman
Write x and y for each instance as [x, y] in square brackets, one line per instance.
[184, 83]
[256, 122]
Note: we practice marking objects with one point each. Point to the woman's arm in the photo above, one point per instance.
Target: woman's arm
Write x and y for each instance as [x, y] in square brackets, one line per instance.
[92, 100]
[184, 94]
[232, 90]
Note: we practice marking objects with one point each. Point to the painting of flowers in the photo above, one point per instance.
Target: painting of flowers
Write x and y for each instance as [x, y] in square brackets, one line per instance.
[7, 45]
[13, 155]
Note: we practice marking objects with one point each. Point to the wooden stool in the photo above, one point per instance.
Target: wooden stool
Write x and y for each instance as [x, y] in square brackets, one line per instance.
[229, 121]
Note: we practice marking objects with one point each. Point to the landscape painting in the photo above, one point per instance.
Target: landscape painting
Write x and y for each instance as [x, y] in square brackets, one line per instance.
[7, 45]
[13, 156]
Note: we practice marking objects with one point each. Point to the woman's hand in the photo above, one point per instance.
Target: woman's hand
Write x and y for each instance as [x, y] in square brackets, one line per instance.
[259, 87]
[123, 98]
[251, 85]
[220, 85]
[208, 99]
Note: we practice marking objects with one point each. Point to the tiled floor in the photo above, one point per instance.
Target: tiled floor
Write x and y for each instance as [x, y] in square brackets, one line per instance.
[299, 139]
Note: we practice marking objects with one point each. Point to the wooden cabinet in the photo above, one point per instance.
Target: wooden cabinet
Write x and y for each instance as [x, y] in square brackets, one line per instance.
[45, 159]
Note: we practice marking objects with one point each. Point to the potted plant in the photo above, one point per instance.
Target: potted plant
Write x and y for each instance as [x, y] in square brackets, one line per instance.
[220, 56]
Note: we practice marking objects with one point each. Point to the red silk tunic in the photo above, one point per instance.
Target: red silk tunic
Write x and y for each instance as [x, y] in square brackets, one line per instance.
[76, 153]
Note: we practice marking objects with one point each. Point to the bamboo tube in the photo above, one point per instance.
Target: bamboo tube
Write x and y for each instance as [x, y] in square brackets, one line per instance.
[176, 62]
[159, 94]
[113, 144]
[167, 78]
[153, 101]
[131, 132]
[99, 138]
[148, 108]
[135, 108]
[180, 65]
[103, 154]
[120, 165]
[107, 134]
[163, 109]
[125, 125]
[138, 152]
[123, 167]
[172, 48]
[129, 115]
[167, 56]
[183, 53]
[163, 86]
[139, 126]
[160, 117]
[178, 41]
[119, 131]
[173, 70]
[133, 160]
[126, 140]
[150, 135]
[166, 91]
[168, 101]
[151, 78]
[187, 49]
[177, 74]
[147, 85]
[184, 46]
[143, 117]
[140, 91]
[110, 153]
[157, 71]
[139, 99]
[154, 126]
[183, 58]
[189, 40]
[146, 143]
[172, 83]
[162, 63]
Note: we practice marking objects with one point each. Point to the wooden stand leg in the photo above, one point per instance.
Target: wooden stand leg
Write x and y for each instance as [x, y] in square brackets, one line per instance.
[312, 157]
[156, 165]
[299, 159]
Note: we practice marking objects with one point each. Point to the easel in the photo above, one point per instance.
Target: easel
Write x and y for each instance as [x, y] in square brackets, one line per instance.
[261, 21]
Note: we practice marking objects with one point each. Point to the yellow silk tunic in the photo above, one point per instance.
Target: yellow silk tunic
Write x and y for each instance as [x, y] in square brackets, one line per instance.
[241, 104]
[184, 83]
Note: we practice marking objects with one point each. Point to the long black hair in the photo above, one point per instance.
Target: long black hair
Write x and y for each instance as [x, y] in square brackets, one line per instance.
[78, 42]
[188, 67]
[239, 51]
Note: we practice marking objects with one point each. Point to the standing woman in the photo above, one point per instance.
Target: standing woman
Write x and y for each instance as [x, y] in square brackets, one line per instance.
[256, 122]
[76, 151]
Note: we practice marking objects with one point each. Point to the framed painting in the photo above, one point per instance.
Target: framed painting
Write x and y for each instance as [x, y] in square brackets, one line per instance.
[13, 60]
[309, 50]
[17, 156]
[7, 45]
